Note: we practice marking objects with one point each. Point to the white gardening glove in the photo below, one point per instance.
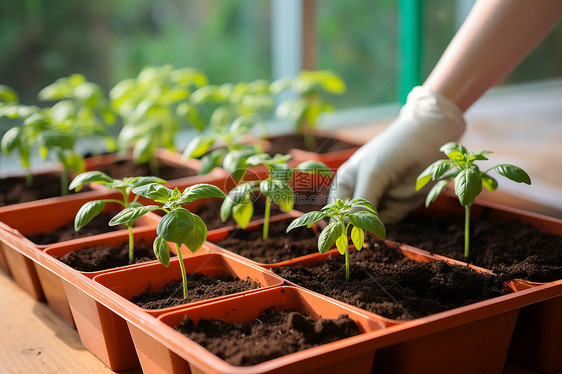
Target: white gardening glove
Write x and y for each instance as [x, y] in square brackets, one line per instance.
[384, 170]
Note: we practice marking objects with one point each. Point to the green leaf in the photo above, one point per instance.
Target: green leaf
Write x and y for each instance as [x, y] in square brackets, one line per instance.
[329, 235]
[489, 182]
[243, 212]
[281, 172]
[199, 191]
[280, 192]
[357, 237]
[161, 250]
[234, 161]
[435, 191]
[176, 226]
[50, 139]
[441, 168]
[198, 147]
[314, 167]
[368, 221]
[467, 186]
[306, 220]
[363, 203]
[90, 177]
[447, 148]
[513, 172]
[211, 160]
[154, 191]
[11, 140]
[258, 159]
[197, 236]
[7, 94]
[142, 149]
[342, 244]
[142, 181]
[130, 215]
[426, 175]
[235, 197]
[88, 212]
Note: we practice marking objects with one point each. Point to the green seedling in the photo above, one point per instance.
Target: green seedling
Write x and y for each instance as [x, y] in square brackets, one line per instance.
[20, 137]
[93, 208]
[155, 106]
[305, 110]
[359, 214]
[241, 108]
[468, 180]
[276, 188]
[178, 225]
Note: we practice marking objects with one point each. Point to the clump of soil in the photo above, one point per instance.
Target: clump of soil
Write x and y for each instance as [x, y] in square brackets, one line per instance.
[127, 168]
[511, 248]
[279, 246]
[199, 286]
[385, 282]
[106, 257]
[210, 213]
[274, 334]
[98, 225]
[14, 190]
[324, 144]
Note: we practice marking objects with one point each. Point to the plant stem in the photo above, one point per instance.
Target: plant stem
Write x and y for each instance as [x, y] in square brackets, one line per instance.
[153, 164]
[466, 229]
[347, 264]
[131, 244]
[182, 267]
[266, 218]
[28, 178]
[310, 140]
[64, 181]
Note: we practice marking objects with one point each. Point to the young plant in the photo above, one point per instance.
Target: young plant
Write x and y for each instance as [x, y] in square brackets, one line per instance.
[93, 208]
[276, 188]
[155, 106]
[178, 225]
[305, 109]
[460, 167]
[359, 214]
[240, 108]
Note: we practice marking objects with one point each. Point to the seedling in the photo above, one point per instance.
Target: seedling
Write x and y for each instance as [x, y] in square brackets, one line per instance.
[460, 167]
[359, 214]
[93, 208]
[241, 108]
[276, 188]
[306, 108]
[178, 225]
[154, 106]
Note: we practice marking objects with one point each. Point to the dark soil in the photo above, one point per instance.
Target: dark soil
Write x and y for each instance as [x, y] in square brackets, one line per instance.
[385, 282]
[273, 334]
[312, 199]
[511, 248]
[210, 213]
[98, 225]
[283, 143]
[199, 286]
[279, 246]
[127, 168]
[13, 190]
[102, 258]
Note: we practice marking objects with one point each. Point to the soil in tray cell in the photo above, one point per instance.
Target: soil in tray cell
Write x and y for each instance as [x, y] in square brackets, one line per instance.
[14, 190]
[210, 213]
[323, 144]
[107, 257]
[199, 286]
[273, 334]
[127, 168]
[98, 225]
[511, 248]
[279, 246]
[385, 282]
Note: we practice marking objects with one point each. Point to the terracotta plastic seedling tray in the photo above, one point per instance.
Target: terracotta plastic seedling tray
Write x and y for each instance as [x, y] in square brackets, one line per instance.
[171, 352]
[537, 339]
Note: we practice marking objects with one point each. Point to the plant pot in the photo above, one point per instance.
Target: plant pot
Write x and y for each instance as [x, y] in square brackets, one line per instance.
[52, 283]
[48, 215]
[4, 261]
[104, 333]
[306, 242]
[537, 339]
[475, 337]
[171, 352]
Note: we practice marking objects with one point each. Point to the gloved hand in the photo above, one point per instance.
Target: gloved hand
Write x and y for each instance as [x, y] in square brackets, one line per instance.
[384, 170]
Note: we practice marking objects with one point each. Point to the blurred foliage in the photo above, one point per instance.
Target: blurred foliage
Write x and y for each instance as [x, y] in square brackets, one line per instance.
[108, 41]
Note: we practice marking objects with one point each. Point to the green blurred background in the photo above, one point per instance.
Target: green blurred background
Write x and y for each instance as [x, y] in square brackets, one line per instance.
[107, 41]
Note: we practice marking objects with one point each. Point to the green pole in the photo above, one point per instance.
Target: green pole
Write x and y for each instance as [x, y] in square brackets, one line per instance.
[410, 46]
